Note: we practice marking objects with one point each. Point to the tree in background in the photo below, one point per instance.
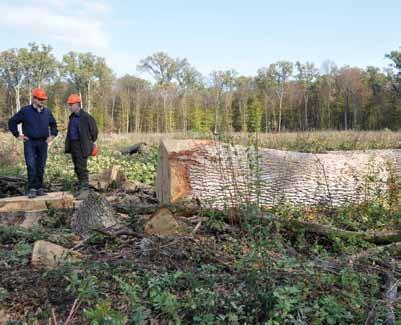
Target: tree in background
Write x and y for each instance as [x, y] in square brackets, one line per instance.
[85, 71]
[39, 66]
[244, 87]
[306, 76]
[281, 96]
[282, 72]
[265, 81]
[189, 81]
[12, 73]
[163, 69]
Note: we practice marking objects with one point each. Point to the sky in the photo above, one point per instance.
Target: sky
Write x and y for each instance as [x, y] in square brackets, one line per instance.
[212, 35]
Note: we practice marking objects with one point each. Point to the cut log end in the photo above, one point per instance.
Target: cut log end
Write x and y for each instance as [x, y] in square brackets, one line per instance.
[172, 179]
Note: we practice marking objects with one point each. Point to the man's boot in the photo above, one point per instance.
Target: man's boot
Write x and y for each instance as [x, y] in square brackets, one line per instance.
[77, 192]
[41, 191]
[83, 192]
[32, 193]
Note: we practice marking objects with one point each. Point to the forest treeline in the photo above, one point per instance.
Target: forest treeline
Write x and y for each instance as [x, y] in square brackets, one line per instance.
[282, 96]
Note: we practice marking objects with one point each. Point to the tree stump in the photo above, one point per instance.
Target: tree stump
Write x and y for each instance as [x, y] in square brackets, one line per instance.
[219, 175]
[93, 213]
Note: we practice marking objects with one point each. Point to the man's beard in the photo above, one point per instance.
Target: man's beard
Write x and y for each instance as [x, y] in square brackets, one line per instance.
[38, 104]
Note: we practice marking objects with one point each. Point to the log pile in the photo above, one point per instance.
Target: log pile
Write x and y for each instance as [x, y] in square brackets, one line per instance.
[12, 186]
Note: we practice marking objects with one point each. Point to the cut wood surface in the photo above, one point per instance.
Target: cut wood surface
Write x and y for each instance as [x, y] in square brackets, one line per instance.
[107, 178]
[219, 174]
[162, 223]
[56, 200]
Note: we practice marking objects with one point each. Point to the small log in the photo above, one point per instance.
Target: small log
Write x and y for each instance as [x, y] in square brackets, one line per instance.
[393, 249]
[136, 148]
[109, 177]
[221, 175]
[379, 238]
[390, 298]
[13, 179]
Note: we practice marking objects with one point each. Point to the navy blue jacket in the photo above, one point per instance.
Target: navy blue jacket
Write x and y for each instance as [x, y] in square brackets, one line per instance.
[35, 125]
[73, 127]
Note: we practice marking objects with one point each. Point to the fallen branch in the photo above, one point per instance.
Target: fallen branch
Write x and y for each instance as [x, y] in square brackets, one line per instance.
[179, 209]
[196, 228]
[393, 249]
[121, 232]
[380, 238]
[390, 297]
[54, 319]
[73, 310]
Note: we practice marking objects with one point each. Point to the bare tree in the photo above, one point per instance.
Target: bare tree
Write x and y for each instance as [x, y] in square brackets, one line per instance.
[306, 76]
[12, 72]
[282, 72]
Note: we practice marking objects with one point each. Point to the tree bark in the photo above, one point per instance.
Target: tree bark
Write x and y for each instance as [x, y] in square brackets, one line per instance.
[306, 99]
[93, 213]
[112, 112]
[89, 97]
[280, 111]
[220, 175]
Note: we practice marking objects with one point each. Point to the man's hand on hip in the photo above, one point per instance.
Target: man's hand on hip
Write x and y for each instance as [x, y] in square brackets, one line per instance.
[50, 139]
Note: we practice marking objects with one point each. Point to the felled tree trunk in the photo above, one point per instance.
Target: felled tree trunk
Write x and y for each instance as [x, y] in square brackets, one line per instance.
[219, 175]
[136, 148]
[93, 213]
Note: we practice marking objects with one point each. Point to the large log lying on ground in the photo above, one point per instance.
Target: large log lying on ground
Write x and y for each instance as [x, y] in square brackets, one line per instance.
[21, 209]
[56, 200]
[219, 175]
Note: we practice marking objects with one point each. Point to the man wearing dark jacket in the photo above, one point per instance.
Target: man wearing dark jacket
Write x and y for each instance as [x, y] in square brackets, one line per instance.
[39, 128]
[81, 135]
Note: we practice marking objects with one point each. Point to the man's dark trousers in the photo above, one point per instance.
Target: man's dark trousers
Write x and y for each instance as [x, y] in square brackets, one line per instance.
[80, 163]
[35, 152]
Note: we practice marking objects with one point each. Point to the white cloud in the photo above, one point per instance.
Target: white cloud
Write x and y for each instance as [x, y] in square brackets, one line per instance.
[73, 22]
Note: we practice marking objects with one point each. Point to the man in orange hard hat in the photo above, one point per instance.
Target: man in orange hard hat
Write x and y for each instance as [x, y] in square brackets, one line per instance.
[39, 128]
[80, 141]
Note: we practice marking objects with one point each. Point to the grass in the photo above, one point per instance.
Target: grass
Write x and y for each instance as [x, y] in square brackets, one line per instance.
[299, 141]
[251, 273]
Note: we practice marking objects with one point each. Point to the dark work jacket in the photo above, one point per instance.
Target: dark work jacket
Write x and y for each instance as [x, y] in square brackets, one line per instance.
[87, 133]
[35, 125]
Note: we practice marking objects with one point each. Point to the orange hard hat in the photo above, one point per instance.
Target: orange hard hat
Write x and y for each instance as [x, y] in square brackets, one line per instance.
[39, 93]
[95, 150]
[73, 99]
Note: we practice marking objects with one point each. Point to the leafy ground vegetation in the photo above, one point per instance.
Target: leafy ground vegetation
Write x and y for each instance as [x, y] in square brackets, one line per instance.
[247, 269]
